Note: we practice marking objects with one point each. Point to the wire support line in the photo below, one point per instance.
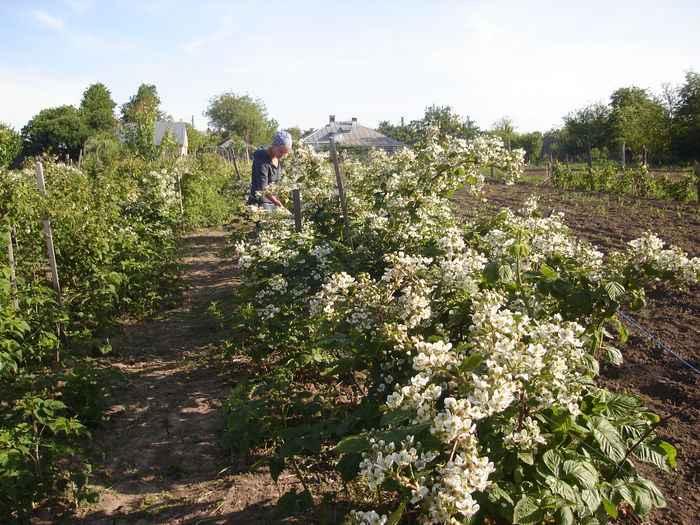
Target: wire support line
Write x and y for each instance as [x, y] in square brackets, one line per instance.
[686, 363]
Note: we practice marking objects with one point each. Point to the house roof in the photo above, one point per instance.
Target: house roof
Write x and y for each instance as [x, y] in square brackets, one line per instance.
[350, 134]
[177, 130]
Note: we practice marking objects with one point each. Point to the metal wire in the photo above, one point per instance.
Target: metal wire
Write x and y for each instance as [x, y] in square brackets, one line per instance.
[686, 363]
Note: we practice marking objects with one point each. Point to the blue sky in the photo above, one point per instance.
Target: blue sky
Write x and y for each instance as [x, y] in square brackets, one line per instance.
[532, 61]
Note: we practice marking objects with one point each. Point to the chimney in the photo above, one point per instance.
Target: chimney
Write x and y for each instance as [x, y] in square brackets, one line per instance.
[332, 119]
[354, 121]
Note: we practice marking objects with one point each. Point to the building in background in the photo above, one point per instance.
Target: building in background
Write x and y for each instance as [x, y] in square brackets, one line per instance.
[350, 134]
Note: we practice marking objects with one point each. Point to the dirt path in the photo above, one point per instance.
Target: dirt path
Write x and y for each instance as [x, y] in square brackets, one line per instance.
[162, 460]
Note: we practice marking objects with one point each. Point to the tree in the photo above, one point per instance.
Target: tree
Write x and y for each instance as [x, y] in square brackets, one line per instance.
[640, 121]
[10, 145]
[139, 116]
[686, 119]
[145, 104]
[405, 133]
[505, 128]
[588, 128]
[241, 117]
[530, 142]
[97, 108]
[54, 130]
[448, 123]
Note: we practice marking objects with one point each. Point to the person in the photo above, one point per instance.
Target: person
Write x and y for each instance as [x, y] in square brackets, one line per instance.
[267, 168]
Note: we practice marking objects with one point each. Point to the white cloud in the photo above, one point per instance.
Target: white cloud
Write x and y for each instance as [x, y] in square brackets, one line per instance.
[48, 20]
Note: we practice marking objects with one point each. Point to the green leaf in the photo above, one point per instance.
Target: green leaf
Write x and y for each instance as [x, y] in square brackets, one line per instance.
[276, 467]
[526, 456]
[553, 461]
[287, 504]
[526, 511]
[609, 507]
[638, 497]
[564, 516]
[581, 472]
[607, 437]
[565, 490]
[657, 452]
[396, 515]
[548, 272]
[396, 416]
[614, 290]
[496, 493]
[612, 355]
[290, 448]
[620, 405]
[352, 444]
[591, 498]
[471, 363]
[349, 465]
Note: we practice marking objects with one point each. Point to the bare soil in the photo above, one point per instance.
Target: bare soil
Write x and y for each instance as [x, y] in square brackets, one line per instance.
[667, 386]
[163, 462]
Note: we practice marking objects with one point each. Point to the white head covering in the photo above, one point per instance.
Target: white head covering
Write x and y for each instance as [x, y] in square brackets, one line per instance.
[282, 138]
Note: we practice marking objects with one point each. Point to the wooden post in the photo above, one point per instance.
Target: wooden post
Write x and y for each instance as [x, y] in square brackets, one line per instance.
[697, 179]
[49, 237]
[644, 153]
[13, 277]
[622, 156]
[235, 166]
[341, 192]
[296, 198]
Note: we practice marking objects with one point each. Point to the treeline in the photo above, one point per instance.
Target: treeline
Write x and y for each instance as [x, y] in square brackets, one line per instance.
[660, 128]
[94, 127]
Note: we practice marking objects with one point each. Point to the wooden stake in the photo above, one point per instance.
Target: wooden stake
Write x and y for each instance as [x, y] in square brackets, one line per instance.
[622, 156]
[49, 238]
[235, 166]
[13, 278]
[296, 198]
[341, 193]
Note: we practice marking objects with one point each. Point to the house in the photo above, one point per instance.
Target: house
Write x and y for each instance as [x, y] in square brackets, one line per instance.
[350, 135]
[177, 132]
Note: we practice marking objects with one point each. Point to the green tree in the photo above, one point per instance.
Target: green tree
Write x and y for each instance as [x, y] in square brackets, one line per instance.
[448, 123]
[505, 128]
[53, 130]
[97, 108]
[10, 145]
[588, 128]
[145, 104]
[686, 119]
[139, 117]
[640, 121]
[405, 133]
[531, 143]
[241, 117]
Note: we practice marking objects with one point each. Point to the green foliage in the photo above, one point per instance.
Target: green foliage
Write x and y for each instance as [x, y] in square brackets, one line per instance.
[407, 372]
[242, 117]
[10, 145]
[115, 235]
[442, 118]
[97, 109]
[686, 119]
[588, 128]
[54, 130]
[636, 180]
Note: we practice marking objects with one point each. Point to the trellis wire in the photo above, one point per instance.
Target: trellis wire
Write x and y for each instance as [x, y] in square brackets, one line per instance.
[686, 363]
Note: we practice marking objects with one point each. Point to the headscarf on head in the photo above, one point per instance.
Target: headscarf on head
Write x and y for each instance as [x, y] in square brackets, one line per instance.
[282, 138]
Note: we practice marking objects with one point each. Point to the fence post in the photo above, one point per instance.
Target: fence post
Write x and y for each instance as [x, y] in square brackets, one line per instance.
[341, 192]
[49, 237]
[622, 156]
[697, 179]
[296, 198]
[235, 165]
[13, 277]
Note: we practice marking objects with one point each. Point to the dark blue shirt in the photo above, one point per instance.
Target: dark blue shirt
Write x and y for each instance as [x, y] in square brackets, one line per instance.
[263, 174]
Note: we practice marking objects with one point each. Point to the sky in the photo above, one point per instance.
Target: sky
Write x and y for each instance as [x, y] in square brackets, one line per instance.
[530, 61]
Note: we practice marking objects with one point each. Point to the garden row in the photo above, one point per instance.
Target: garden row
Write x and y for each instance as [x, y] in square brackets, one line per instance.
[115, 231]
[436, 370]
